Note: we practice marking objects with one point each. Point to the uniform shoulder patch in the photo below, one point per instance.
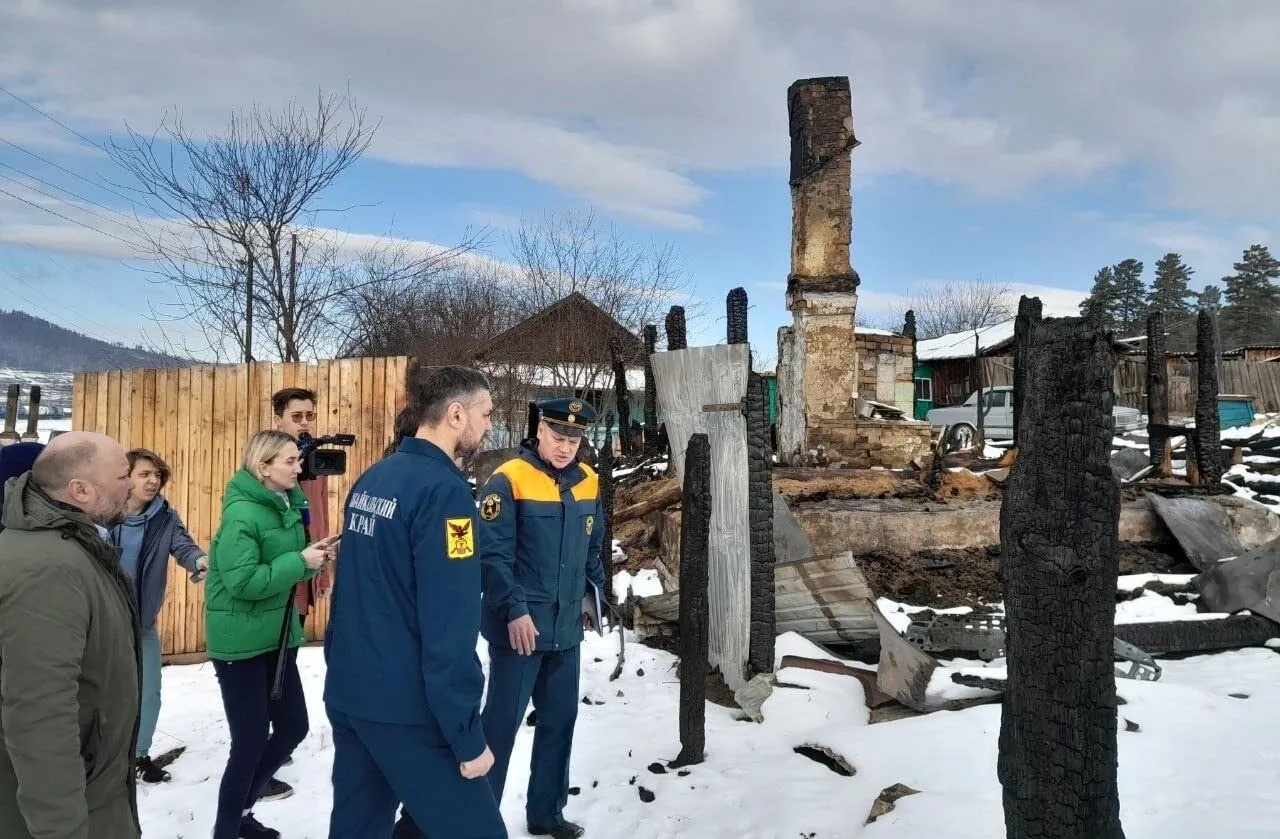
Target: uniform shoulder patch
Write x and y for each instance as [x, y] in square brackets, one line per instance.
[460, 538]
[491, 506]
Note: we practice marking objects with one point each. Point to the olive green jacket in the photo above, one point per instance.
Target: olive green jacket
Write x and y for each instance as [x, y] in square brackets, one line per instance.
[69, 665]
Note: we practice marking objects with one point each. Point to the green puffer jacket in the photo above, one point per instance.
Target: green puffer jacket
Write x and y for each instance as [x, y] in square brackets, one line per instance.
[255, 560]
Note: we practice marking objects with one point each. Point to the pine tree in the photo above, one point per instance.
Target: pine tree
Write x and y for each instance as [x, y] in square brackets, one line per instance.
[1210, 297]
[1100, 305]
[1171, 294]
[1252, 311]
[1130, 296]
[1171, 287]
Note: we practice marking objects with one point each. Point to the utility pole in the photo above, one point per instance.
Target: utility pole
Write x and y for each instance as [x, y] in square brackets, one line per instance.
[248, 306]
[290, 343]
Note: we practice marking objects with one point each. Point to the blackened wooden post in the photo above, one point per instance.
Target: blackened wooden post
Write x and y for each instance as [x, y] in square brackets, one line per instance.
[604, 469]
[1207, 433]
[981, 442]
[677, 337]
[1157, 395]
[651, 443]
[736, 303]
[1029, 311]
[760, 655]
[909, 331]
[621, 396]
[1059, 531]
[695, 535]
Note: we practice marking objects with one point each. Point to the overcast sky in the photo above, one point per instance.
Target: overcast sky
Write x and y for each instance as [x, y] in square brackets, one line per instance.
[1027, 142]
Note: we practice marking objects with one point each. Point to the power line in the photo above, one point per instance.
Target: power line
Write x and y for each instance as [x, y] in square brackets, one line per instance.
[66, 218]
[70, 172]
[75, 195]
[104, 327]
[65, 270]
[65, 201]
[52, 119]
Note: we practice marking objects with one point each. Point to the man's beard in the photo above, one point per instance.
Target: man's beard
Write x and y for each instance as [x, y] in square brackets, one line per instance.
[465, 448]
[111, 520]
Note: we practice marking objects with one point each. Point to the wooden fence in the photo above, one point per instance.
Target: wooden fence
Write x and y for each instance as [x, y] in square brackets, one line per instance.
[1258, 379]
[198, 419]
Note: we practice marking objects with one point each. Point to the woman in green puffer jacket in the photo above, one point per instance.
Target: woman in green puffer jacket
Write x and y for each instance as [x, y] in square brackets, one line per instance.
[256, 558]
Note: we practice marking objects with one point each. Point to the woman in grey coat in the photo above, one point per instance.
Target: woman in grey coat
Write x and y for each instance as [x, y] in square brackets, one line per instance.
[152, 532]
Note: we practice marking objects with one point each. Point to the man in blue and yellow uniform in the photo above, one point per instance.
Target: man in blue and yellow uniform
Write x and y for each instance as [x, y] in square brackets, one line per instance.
[541, 534]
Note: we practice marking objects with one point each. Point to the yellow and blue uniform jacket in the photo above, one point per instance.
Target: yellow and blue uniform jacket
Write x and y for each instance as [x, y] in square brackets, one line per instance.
[541, 534]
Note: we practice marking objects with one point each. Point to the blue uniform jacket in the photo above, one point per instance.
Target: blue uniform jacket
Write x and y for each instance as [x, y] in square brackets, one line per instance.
[401, 645]
[541, 533]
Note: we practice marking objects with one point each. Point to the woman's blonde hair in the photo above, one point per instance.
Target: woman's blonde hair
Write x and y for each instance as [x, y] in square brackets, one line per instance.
[264, 447]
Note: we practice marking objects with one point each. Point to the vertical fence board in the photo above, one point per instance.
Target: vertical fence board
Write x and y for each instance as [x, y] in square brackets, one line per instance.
[198, 418]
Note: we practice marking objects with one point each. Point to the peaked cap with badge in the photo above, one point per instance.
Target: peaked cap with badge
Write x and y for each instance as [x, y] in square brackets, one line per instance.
[566, 415]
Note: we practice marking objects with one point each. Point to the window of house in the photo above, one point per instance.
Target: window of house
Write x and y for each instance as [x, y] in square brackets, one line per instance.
[924, 390]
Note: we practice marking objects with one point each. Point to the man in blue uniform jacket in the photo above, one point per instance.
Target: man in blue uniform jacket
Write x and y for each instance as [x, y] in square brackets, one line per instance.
[541, 534]
[404, 683]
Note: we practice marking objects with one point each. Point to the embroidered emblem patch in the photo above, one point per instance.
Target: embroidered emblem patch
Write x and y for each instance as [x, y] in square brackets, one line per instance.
[590, 524]
[575, 407]
[460, 541]
[491, 506]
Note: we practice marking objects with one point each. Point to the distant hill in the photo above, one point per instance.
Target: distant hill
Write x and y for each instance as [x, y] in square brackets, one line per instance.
[29, 343]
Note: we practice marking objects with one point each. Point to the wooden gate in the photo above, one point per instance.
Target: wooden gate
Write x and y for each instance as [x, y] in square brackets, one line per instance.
[701, 389]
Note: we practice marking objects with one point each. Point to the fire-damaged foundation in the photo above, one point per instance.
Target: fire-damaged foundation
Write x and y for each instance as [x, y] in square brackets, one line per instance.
[843, 537]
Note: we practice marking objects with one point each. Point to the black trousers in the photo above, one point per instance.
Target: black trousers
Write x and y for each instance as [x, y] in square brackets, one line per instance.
[263, 731]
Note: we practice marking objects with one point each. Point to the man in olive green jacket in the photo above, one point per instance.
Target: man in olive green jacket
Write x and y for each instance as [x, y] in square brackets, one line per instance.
[69, 649]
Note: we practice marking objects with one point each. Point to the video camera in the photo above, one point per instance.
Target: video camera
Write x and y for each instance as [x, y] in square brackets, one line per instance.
[317, 461]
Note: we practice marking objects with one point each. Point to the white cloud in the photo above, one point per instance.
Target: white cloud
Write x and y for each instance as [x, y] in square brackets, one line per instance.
[1210, 250]
[627, 105]
[1057, 302]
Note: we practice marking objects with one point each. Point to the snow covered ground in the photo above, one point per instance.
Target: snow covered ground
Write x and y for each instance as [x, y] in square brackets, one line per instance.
[1196, 767]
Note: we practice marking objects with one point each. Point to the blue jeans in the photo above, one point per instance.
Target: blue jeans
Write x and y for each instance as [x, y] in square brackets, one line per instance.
[150, 712]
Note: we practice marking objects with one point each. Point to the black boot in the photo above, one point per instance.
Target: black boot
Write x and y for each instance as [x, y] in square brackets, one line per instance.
[406, 828]
[564, 830]
[251, 828]
[148, 772]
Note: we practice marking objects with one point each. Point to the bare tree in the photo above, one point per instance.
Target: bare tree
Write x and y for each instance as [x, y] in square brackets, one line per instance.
[438, 316]
[960, 306]
[238, 244]
[564, 252]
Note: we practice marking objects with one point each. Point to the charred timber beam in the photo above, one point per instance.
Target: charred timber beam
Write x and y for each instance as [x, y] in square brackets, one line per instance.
[1029, 312]
[651, 443]
[1157, 393]
[1207, 432]
[760, 646]
[695, 611]
[736, 315]
[1059, 526]
[677, 337]
[604, 469]
[621, 397]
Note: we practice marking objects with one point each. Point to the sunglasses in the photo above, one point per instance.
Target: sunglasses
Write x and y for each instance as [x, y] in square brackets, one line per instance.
[298, 416]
